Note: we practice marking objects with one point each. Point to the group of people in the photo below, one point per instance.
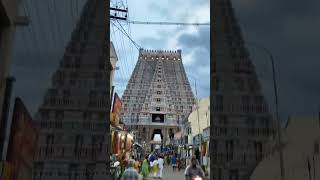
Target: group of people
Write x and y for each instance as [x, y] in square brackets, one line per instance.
[153, 165]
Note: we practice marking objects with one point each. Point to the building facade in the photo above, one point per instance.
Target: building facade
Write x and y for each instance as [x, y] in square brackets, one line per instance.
[204, 117]
[301, 140]
[74, 133]
[158, 97]
[241, 122]
[113, 63]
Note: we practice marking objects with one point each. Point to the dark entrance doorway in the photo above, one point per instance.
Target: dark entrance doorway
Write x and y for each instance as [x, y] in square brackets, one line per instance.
[156, 132]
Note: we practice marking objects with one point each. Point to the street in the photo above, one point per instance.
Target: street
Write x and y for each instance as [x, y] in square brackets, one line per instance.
[168, 174]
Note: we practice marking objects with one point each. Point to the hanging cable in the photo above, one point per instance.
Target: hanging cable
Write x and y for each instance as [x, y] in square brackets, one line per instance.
[129, 31]
[168, 23]
[31, 28]
[36, 8]
[53, 33]
[125, 54]
[117, 47]
[57, 20]
[136, 44]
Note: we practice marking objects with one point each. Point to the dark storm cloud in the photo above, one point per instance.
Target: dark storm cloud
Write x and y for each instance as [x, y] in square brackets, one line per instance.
[39, 47]
[198, 40]
[290, 30]
[199, 44]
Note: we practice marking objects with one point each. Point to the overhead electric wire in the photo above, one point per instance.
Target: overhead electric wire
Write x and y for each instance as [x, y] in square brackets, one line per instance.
[168, 23]
[121, 71]
[53, 33]
[77, 7]
[25, 40]
[129, 31]
[114, 39]
[136, 45]
[35, 5]
[71, 10]
[31, 30]
[125, 53]
[60, 34]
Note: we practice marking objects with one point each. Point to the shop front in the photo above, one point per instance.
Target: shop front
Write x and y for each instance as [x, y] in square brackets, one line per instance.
[205, 148]
[121, 143]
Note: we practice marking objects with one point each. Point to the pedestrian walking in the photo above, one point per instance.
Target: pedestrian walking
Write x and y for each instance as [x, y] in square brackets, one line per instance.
[155, 168]
[168, 159]
[137, 165]
[174, 162]
[160, 165]
[178, 163]
[152, 158]
[130, 173]
[123, 164]
[145, 168]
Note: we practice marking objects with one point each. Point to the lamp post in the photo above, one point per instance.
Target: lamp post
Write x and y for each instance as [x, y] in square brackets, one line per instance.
[200, 149]
[279, 138]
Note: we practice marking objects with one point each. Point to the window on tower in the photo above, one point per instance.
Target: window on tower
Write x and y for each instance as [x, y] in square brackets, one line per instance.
[158, 100]
[158, 108]
[159, 92]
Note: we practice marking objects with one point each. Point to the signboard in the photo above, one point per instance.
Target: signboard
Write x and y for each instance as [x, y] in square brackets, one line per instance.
[116, 110]
[22, 143]
[206, 133]
[196, 139]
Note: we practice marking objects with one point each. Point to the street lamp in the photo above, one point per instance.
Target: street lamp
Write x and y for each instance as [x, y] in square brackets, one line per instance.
[277, 107]
[195, 84]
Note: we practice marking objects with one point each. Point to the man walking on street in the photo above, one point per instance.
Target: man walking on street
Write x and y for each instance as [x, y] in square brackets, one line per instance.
[160, 165]
[130, 173]
[174, 162]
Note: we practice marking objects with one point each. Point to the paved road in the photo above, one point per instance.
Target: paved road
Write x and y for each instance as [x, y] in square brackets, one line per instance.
[168, 174]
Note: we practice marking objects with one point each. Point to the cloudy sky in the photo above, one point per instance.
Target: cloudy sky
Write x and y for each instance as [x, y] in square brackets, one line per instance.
[38, 48]
[192, 40]
[289, 28]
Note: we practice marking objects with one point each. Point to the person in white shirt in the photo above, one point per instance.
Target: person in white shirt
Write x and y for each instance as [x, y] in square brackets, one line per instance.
[160, 165]
[155, 168]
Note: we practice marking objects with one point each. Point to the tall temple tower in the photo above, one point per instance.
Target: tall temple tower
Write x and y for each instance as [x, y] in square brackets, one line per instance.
[158, 97]
[73, 117]
[241, 122]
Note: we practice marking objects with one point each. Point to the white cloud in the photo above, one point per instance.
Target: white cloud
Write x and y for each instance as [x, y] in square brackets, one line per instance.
[188, 59]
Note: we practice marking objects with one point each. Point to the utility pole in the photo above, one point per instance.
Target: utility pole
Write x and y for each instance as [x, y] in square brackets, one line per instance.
[118, 13]
[278, 125]
[200, 136]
